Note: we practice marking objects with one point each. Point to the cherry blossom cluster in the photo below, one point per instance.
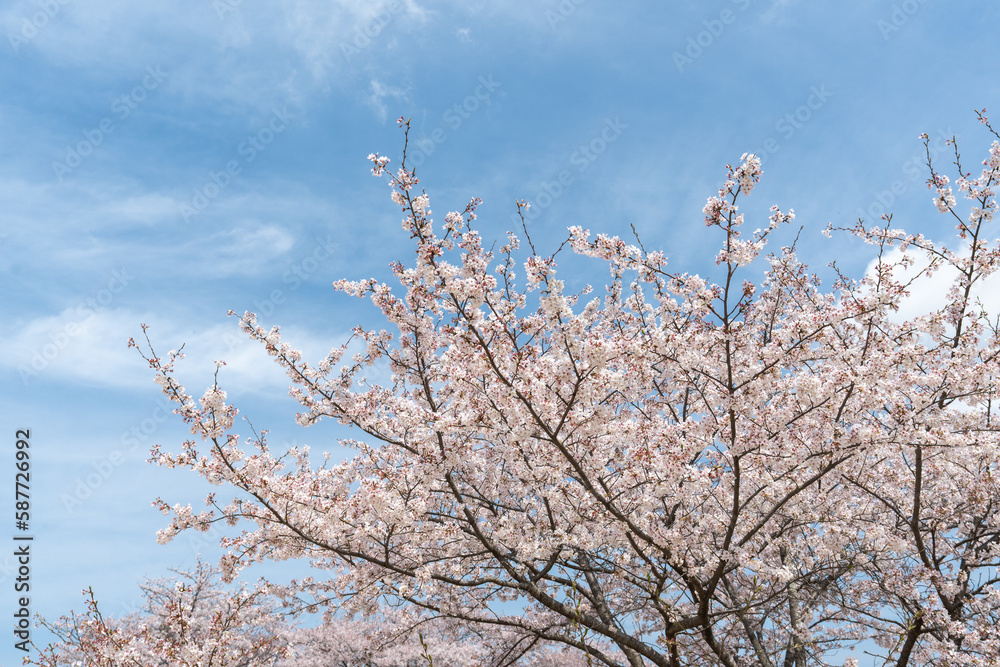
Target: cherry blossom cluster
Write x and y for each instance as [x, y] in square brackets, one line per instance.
[188, 621]
[192, 620]
[750, 469]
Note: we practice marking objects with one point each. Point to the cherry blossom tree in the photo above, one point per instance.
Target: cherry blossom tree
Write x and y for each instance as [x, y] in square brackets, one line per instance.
[749, 470]
[386, 642]
[187, 621]
[194, 620]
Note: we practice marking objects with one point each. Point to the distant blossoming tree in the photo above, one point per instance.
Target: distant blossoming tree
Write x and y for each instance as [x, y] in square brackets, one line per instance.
[674, 472]
[195, 621]
[393, 642]
[189, 621]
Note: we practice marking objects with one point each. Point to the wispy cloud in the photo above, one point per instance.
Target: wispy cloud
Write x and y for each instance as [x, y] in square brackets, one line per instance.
[86, 346]
[215, 51]
[379, 93]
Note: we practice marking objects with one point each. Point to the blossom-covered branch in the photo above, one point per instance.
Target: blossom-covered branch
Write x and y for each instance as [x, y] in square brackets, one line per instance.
[674, 472]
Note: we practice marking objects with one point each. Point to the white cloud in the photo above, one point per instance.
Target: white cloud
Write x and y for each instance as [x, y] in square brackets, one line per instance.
[245, 248]
[240, 54]
[141, 207]
[928, 294]
[239, 233]
[88, 345]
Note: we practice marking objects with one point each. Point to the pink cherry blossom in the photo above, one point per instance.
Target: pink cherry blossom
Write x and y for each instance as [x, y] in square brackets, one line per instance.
[748, 469]
[189, 621]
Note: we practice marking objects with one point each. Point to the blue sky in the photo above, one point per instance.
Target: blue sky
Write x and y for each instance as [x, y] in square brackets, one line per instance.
[164, 163]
